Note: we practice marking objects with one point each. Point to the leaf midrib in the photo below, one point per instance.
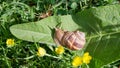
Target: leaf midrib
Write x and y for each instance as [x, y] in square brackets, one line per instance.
[100, 34]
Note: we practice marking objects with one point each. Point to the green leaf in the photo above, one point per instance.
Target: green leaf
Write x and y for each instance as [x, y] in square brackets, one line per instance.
[101, 25]
[41, 31]
[103, 34]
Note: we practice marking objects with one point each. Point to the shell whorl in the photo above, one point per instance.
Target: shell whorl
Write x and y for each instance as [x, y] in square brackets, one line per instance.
[74, 40]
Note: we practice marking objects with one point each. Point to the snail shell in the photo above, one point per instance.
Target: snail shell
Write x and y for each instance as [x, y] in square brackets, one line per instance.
[73, 40]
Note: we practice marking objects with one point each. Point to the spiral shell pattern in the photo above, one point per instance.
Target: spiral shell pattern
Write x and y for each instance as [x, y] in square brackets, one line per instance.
[74, 40]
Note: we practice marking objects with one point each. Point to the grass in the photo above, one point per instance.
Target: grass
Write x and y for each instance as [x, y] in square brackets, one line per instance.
[23, 11]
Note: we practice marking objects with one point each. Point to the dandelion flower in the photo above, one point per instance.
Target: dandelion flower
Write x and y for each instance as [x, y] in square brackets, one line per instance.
[86, 58]
[77, 61]
[59, 50]
[41, 52]
[10, 42]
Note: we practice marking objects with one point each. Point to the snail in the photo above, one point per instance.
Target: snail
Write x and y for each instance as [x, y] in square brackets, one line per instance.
[74, 40]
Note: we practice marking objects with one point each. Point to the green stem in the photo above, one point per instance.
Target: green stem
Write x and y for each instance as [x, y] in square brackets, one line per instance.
[6, 59]
[30, 57]
[53, 56]
[85, 2]
[80, 5]
[100, 35]
[87, 66]
[57, 4]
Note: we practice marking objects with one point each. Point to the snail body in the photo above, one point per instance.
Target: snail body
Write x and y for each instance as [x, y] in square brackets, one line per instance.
[74, 40]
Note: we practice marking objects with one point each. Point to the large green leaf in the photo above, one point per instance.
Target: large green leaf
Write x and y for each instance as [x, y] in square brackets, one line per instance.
[41, 31]
[104, 41]
[101, 26]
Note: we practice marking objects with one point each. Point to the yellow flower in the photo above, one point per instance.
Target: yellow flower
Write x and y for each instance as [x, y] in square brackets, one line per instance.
[77, 61]
[59, 50]
[10, 42]
[41, 51]
[86, 58]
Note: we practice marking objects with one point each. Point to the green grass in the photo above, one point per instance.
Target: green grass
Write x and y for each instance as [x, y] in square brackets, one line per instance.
[23, 11]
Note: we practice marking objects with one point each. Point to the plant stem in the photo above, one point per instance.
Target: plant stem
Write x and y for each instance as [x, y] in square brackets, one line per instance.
[57, 4]
[100, 35]
[6, 60]
[30, 57]
[53, 56]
